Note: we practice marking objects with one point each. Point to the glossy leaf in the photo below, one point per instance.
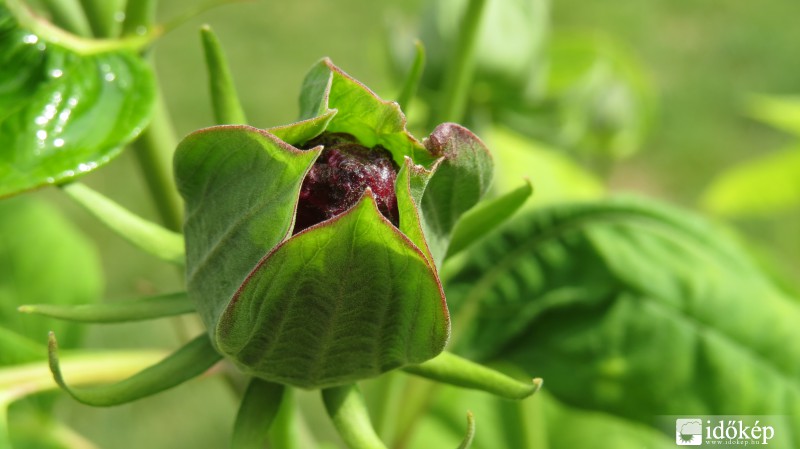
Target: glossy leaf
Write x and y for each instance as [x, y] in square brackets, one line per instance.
[345, 300]
[761, 186]
[632, 308]
[190, 361]
[64, 113]
[115, 312]
[459, 182]
[240, 185]
[43, 258]
[258, 409]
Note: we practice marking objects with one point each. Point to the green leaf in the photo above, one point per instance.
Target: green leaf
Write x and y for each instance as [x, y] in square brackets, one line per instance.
[146, 235]
[632, 308]
[241, 186]
[345, 300]
[555, 177]
[761, 186]
[190, 361]
[454, 370]
[458, 183]
[780, 112]
[64, 113]
[227, 109]
[536, 423]
[121, 311]
[43, 258]
[486, 216]
[346, 407]
[258, 409]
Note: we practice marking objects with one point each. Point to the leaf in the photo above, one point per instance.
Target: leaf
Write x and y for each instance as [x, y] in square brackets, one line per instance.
[227, 108]
[241, 186]
[188, 362]
[555, 177]
[64, 112]
[258, 409]
[458, 183]
[761, 186]
[538, 422]
[454, 370]
[146, 235]
[632, 308]
[43, 258]
[486, 216]
[121, 311]
[345, 300]
[781, 112]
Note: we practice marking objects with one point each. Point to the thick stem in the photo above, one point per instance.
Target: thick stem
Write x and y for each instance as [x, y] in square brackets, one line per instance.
[460, 71]
[101, 16]
[153, 151]
[68, 15]
[139, 17]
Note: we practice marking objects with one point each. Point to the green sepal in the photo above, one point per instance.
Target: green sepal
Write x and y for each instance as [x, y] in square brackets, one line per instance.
[454, 370]
[241, 186]
[360, 112]
[188, 362]
[344, 300]
[64, 112]
[116, 312]
[258, 410]
[461, 179]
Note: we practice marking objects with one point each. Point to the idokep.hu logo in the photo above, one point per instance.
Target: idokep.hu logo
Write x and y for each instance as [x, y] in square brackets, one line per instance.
[689, 432]
[719, 430]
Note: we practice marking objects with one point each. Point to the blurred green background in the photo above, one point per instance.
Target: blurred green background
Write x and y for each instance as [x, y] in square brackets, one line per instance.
[702, 58]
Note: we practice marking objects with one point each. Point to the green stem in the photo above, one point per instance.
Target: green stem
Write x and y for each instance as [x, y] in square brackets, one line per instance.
[284, 433]
[387, 391]
[153, 151]
[460, 71]
[100, 14]
[411, 83]
[350, 416]
[68, 15]
[84, 46]
[140, 15]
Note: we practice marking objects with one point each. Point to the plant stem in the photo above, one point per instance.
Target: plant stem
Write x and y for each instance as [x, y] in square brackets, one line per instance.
[68, 15]
[460, 71]
[411, 83]
[153, 151]
[139, 17]
[283, 432]
[100, 14]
